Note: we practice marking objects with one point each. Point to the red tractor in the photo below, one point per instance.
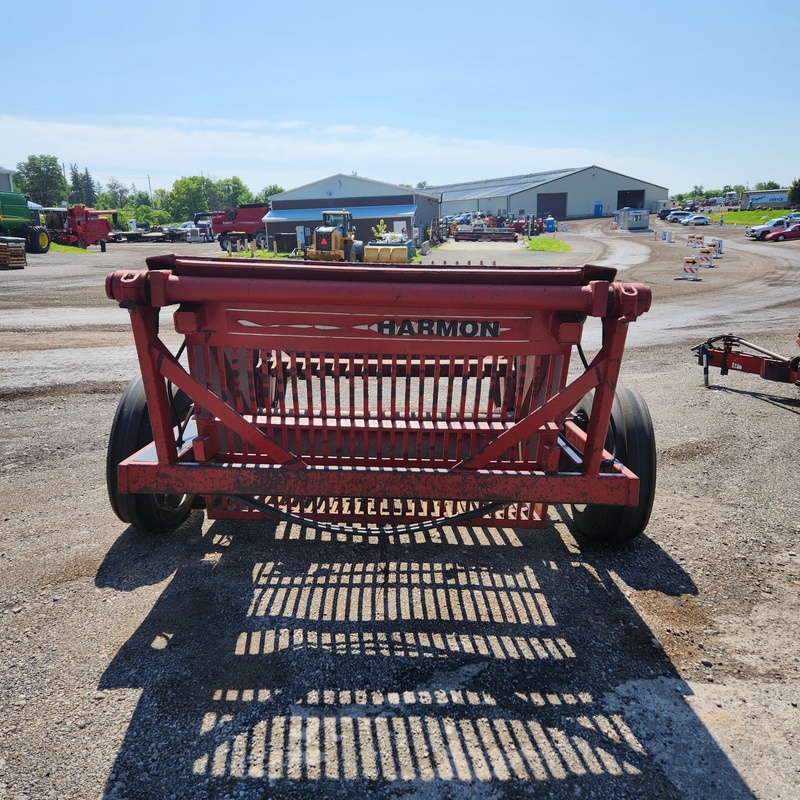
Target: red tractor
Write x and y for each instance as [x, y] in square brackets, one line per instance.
[78, 225]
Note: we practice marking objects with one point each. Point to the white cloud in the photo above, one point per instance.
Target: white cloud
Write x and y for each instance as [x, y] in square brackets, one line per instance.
[293, 153]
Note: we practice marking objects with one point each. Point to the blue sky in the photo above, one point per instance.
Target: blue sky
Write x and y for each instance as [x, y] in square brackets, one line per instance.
[678, 94]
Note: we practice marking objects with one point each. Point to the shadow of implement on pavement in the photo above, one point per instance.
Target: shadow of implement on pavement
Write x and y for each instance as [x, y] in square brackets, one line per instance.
[791, 404]
[284, 662]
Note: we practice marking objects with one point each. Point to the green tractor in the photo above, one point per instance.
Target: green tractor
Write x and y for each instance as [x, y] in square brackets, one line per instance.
[18, 219]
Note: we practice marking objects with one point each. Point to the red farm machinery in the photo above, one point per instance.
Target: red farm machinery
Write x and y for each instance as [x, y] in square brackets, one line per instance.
[380, 398]
[728, 352]
[80, 226]
[234, 227]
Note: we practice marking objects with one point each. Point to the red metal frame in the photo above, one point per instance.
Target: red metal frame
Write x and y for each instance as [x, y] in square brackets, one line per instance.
[378, 393]
[729, 352]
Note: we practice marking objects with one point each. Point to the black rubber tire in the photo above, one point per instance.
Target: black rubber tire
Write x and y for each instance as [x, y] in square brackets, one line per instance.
[261, 240]
[631, 440]
[349, 253]
[223, 243]
[130, 431]
[780, 237]
[763, 235]
[359, 248]
[37, 239]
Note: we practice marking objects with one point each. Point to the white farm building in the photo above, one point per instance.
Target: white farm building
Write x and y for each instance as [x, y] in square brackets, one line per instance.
[402, 209]
[566, 194]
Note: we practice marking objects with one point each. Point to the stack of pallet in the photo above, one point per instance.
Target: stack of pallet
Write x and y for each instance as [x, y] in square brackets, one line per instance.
[12, 255]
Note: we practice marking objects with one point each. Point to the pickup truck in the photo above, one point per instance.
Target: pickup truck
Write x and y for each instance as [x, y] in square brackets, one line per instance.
[760, 232]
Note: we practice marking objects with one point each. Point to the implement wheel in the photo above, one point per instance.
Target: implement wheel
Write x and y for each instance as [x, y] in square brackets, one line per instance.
[37, 239]
[130, 432]
[631, 440]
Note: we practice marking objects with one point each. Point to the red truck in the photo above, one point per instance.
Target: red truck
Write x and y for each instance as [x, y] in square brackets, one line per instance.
[237, 225]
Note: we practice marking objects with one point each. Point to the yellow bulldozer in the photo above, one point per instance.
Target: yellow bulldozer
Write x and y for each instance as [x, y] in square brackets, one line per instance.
[335, 240]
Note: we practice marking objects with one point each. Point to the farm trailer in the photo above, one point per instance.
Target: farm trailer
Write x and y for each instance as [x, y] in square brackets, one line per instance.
[379, 398]
[482, 234]
[729, 352]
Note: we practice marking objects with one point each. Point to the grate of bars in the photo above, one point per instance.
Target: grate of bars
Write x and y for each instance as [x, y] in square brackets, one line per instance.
[334, 409]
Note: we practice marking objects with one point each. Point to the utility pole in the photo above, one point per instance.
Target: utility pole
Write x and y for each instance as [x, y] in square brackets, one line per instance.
[150, 188]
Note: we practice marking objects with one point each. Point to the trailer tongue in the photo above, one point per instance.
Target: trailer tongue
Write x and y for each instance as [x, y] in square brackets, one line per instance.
[728, 352]
[372, 397]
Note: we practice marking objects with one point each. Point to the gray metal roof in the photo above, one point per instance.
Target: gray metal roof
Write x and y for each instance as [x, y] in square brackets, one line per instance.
[499, 187]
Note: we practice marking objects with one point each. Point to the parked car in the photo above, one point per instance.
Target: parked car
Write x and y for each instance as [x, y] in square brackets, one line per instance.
[792, 232]
[794, 216]
[664, 212]
[696, 219]
[677, 216]
[762, 231]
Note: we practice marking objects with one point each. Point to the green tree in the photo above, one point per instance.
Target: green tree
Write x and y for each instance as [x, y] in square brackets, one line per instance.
[82, 187]
[75, 188]
[160, 197]
[268, 191]
[229, 192]
[115, 195]
[89, 188]
[139, 198]
[188, 197]
[765, 186]
[422, 184]
[737, 187]
[794, 192]
[41, 178]
[146, 213]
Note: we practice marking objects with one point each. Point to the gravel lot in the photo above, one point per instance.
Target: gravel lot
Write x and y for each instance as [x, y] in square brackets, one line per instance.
[235, 660]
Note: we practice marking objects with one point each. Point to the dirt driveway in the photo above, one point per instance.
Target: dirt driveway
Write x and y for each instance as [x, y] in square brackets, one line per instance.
[234, 660]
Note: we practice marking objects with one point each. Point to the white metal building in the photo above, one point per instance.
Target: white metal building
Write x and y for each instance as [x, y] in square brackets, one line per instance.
[6, 184]
[766, 198]
[566, 194]
[402, 209]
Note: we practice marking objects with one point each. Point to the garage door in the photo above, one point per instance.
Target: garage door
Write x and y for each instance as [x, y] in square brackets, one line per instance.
[554, 203]
[632, 198]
